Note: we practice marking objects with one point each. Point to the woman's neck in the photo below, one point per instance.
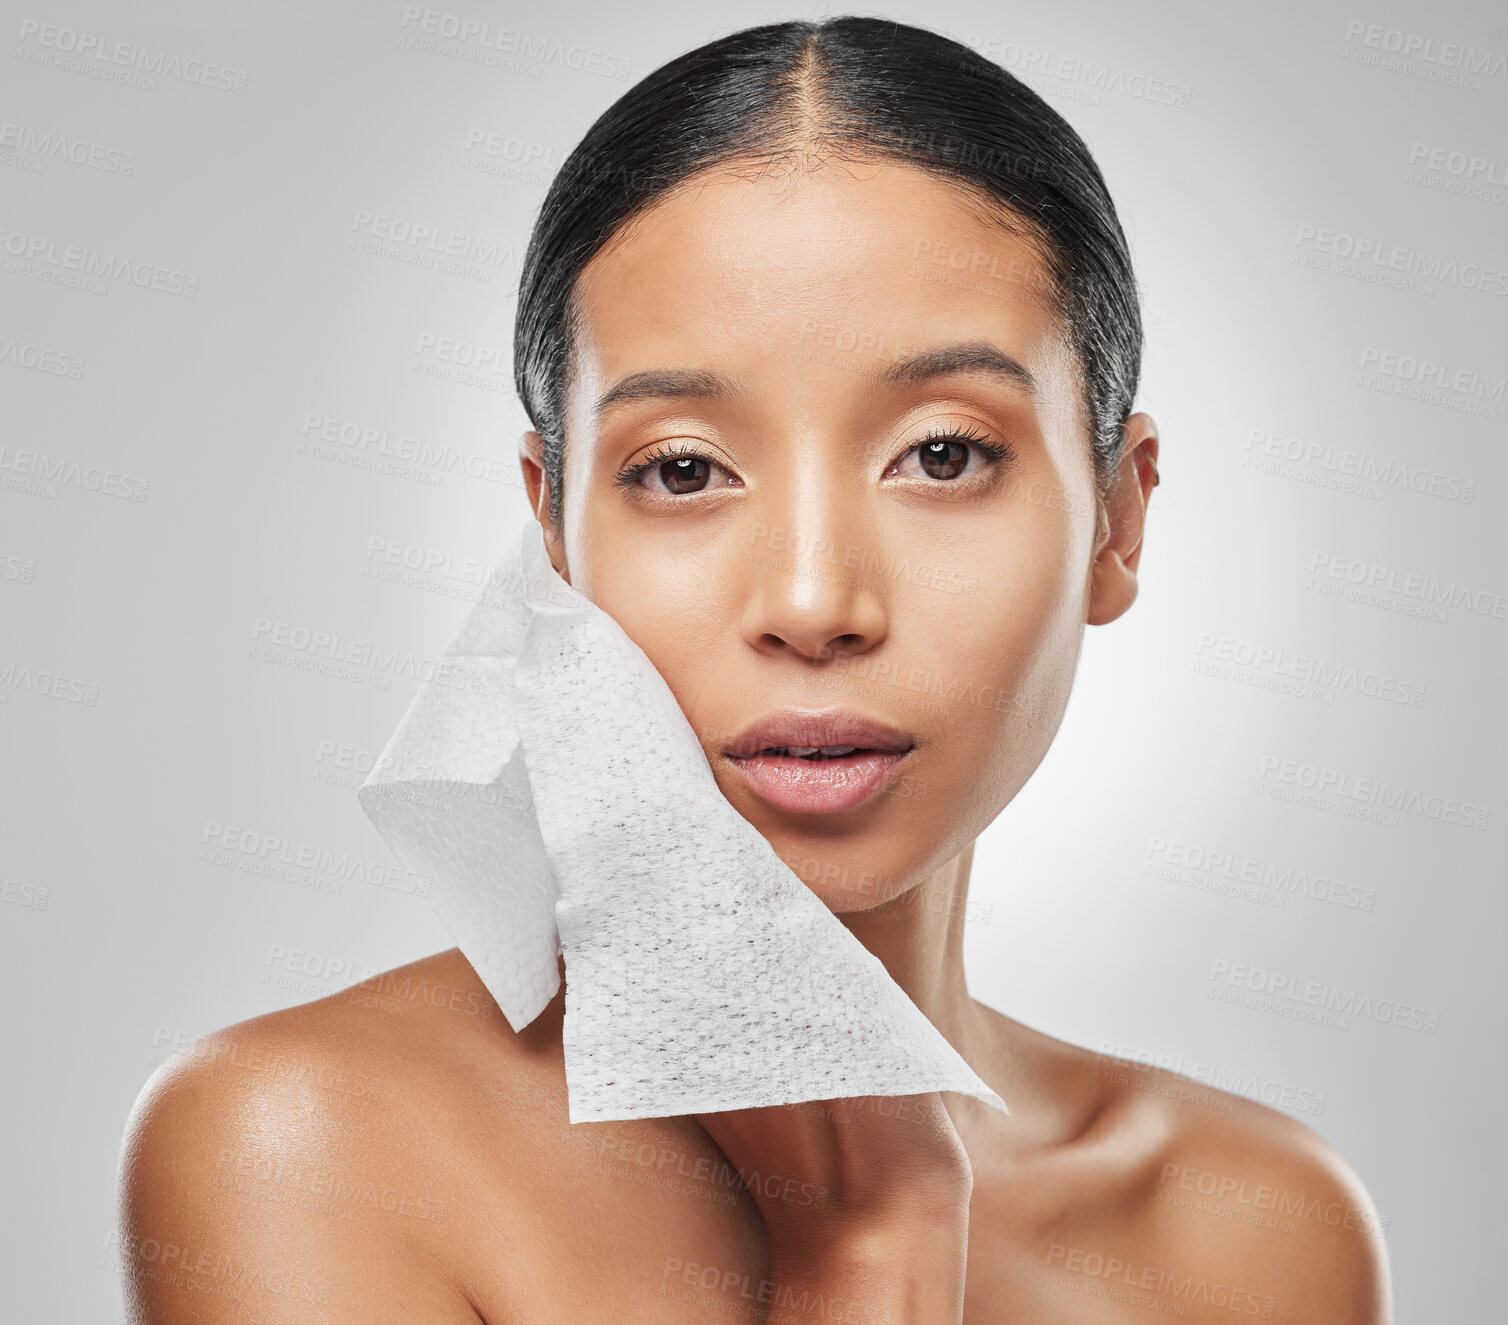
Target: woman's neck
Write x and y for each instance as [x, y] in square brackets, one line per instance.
[919, 939]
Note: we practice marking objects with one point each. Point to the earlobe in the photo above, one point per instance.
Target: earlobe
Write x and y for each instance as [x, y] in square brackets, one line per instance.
[1114, 585]
[531, 461]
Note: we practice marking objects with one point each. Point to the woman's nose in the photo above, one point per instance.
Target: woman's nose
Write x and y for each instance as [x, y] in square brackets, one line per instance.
[814, 590]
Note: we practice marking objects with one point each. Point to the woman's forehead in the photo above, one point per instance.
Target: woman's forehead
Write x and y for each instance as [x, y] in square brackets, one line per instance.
[734, 223]
[868, 261]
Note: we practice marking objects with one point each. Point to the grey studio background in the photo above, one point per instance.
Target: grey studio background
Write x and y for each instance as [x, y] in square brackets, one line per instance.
[258, 451]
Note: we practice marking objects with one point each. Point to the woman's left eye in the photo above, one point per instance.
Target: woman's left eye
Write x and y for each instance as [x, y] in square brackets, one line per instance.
[948, 456]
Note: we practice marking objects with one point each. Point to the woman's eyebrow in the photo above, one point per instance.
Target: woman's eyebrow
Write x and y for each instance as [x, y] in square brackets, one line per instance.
[975, 356]
[693, 384]
[705, 384]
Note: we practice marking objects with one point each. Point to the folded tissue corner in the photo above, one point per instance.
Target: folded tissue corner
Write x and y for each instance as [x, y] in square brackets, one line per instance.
[550, 788]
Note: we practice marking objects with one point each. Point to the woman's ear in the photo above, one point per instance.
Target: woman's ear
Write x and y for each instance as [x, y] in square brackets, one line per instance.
[1113, 586]
[531, 460]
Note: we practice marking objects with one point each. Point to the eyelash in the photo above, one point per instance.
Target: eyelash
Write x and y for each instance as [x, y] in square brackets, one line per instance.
[996, 451]
[629, 475]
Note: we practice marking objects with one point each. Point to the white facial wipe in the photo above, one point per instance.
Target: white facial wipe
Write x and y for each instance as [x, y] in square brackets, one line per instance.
[550, 787]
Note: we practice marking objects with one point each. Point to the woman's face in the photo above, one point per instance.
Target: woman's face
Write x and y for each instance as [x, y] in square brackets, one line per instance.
[827, 459]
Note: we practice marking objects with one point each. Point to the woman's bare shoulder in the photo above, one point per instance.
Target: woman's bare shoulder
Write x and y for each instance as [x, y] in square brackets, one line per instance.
[1216, 1198]
[317, 1154]
[365, 1049]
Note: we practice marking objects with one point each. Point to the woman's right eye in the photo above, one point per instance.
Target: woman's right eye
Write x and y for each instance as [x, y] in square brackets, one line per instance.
[676, 472]
[678, 477]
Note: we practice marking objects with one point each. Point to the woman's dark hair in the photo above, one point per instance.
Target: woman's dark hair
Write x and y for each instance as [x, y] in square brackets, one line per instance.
[857, 88]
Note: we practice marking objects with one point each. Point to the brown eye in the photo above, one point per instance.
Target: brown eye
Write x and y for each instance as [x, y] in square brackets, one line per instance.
[943, 459]
[684, 474]
[946, 458]
[677, 472]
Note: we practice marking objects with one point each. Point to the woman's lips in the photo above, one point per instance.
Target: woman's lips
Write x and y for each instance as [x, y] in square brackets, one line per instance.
[819, 785]
[817, 761]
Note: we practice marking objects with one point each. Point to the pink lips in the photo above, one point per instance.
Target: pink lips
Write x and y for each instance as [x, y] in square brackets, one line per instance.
[817, 761]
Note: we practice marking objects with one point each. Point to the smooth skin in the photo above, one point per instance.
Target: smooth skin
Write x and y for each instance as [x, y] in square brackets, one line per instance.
[396, 1152]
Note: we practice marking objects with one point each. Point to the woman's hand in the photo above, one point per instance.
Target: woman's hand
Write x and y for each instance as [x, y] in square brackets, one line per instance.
[866, 1202]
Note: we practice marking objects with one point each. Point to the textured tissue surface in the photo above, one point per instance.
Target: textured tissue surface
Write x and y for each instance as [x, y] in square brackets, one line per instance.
[551, 789]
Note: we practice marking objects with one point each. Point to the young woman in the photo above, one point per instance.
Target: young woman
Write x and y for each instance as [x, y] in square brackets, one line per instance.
[830, 338]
